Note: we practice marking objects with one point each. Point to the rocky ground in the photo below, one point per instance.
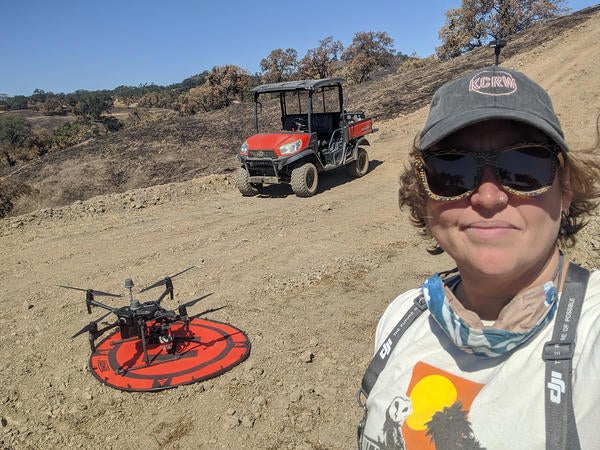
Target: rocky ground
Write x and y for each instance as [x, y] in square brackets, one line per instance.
[305, 279]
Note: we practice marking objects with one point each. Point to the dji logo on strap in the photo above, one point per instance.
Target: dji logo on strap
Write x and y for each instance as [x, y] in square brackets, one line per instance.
[385, 351]
[556, 385]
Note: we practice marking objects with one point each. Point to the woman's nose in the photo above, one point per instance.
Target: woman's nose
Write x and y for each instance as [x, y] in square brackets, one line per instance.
[489, 194]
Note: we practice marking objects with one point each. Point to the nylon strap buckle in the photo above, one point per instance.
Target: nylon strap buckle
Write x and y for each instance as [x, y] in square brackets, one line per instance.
[558, 351]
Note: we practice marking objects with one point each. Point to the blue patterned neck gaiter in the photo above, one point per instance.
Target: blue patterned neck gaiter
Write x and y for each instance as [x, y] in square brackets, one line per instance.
[491, 341]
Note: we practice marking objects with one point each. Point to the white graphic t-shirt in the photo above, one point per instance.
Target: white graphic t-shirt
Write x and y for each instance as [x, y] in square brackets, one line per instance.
[432, 395]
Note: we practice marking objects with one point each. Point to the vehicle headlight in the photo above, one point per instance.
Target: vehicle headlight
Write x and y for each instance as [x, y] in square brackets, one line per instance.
[244, 149]
[292, 147]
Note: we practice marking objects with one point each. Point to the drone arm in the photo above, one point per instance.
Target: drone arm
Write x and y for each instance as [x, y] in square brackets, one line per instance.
[170, 287]
[89, 298]
[183, 311]
[93, 302]
[168, 290]
[163, 295]
[92, 339]
[94, 334]
[105, 329]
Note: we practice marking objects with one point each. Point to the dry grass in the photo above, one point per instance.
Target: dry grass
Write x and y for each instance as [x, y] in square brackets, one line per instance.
[159, 146]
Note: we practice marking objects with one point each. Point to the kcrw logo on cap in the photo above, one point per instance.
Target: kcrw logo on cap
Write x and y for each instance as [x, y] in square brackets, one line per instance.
[493, 83]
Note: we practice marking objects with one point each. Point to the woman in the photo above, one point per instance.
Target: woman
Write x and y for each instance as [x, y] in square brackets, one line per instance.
[474, 358]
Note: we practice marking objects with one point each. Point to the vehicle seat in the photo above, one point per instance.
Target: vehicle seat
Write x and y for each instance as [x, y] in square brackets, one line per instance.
[323, 125]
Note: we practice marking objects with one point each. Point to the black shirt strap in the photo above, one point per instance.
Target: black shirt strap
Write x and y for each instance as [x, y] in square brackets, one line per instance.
[381, 357]
[561, 428]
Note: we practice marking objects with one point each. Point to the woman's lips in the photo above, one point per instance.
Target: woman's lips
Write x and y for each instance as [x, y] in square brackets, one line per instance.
[489, 229]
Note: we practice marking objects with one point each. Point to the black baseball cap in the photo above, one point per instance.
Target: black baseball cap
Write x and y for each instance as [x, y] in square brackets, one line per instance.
[490, 93]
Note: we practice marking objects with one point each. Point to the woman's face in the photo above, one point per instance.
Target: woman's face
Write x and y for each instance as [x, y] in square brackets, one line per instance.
[492, 232]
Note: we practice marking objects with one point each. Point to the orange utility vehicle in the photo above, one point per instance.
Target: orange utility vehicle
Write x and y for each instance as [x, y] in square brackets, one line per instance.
[316, 135]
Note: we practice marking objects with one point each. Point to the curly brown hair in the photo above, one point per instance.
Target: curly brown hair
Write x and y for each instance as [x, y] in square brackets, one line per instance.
[580, 175]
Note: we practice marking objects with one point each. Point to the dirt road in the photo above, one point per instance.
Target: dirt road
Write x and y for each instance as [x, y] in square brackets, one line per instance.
[306, 279]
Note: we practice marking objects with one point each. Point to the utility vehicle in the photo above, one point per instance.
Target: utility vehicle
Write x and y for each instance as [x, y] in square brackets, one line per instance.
[312, 135]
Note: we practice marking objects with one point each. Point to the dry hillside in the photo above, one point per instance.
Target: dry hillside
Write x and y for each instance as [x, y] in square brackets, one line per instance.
[305, 278]
[159, 147]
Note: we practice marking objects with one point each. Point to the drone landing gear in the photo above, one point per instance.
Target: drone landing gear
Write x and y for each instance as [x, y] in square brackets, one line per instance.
[167, 352]
[142, 364]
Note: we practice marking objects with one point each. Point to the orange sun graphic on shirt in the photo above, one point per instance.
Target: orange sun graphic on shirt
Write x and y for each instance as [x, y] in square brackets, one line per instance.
[430, 391]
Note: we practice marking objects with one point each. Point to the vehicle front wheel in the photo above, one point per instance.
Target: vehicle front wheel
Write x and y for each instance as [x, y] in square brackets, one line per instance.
[360, 166]
[244, 186]
[305, 179]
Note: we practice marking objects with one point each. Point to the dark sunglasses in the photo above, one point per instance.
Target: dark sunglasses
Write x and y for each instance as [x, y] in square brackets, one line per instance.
[525, 169]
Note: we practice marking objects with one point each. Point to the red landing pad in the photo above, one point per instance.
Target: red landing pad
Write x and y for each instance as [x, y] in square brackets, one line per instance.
[207, 349]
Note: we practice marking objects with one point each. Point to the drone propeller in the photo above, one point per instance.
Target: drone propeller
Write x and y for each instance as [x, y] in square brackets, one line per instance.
[92, 326]
[208, 311]
[196, 300]
[89, 297]
[164, 280]
[92, 291]
[183, 308]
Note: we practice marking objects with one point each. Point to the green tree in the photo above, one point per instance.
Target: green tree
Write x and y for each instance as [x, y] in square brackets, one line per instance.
[15, 132]
[39, 96]
[280, 65]
[72, 133]
[53, 105]
[191, 82]
[319, 62]
[477, 22]
[367, 52]
[13, 103]
[89, 105]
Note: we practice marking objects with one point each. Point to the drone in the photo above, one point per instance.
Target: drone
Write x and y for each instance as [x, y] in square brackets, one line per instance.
[149, 321]
[154, 348]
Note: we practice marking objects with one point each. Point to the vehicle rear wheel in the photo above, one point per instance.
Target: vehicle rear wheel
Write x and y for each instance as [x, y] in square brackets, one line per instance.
[360, 166]
[244, 186]
[305, 179]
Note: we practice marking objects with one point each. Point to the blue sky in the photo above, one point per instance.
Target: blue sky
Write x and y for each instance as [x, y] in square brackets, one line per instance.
[65, 45]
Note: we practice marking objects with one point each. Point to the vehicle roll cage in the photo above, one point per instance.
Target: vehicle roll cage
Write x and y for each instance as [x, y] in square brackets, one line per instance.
[300, 86]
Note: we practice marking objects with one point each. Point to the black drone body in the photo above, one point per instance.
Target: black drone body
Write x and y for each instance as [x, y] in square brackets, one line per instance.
[151, 348]
[147, 321]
